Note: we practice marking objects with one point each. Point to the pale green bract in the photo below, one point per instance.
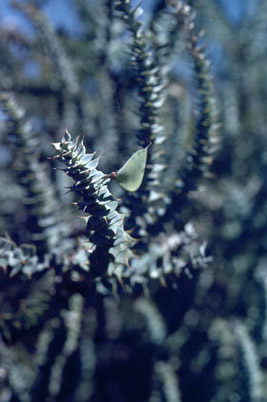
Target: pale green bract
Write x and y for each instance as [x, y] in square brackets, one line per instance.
[130, 176]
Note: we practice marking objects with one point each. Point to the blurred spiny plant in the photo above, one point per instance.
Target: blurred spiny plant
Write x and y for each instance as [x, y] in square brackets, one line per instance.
[130, 307]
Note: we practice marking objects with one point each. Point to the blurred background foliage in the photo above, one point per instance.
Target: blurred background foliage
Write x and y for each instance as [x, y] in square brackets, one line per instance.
[202, 338]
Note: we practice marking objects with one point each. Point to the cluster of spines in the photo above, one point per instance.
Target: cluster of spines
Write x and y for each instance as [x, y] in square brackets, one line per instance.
[150, 84]
[109, 244]
[162, 367]
[19, 260]
[151, 91]
[21, 268]
[205, 141]
[169, 257]
[40, 198]
[201, 154]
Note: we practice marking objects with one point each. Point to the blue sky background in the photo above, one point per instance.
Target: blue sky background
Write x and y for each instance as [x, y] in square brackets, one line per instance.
[62, 12]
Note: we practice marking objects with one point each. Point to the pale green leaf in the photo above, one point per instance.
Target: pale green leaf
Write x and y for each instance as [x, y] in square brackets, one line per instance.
[130, 176]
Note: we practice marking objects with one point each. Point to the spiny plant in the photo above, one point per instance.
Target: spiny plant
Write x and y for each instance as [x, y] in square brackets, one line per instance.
[126, 306]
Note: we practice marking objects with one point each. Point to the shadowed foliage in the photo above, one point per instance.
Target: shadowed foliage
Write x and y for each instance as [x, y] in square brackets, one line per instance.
[154, 290]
